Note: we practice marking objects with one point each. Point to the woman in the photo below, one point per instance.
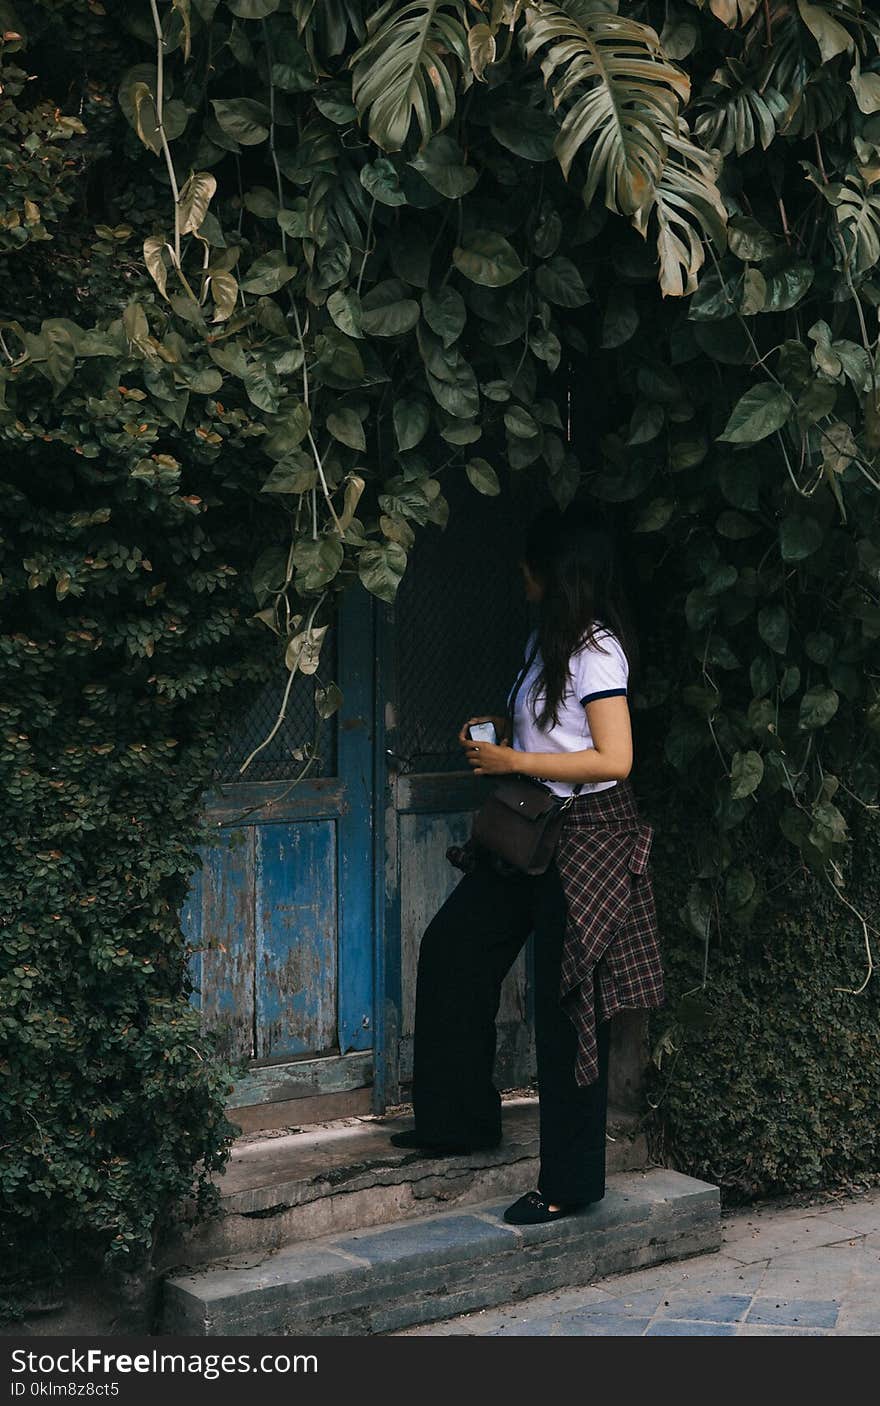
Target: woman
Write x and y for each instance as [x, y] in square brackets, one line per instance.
[592, 912]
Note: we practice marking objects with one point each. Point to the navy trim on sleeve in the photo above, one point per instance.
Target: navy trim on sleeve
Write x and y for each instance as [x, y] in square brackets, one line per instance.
[605, 693]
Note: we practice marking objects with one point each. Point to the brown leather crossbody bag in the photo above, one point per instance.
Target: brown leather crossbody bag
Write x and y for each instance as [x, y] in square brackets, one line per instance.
[521, 819]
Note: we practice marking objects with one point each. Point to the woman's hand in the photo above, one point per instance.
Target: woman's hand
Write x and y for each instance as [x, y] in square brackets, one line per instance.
[499, 724]
[489, 759]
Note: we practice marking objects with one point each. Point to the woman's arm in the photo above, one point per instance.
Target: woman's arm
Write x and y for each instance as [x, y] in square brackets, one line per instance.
[609, 759]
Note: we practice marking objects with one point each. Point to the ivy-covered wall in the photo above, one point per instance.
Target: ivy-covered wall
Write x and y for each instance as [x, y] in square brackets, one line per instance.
[765, 1080]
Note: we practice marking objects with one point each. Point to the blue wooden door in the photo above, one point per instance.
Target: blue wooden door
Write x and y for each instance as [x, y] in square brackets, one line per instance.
[281, 913]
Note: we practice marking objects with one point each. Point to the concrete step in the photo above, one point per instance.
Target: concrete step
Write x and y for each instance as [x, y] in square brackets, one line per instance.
[319, 1181]
[394, 1276]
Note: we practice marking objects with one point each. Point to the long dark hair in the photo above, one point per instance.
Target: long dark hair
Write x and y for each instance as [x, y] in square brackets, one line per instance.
[573, 554]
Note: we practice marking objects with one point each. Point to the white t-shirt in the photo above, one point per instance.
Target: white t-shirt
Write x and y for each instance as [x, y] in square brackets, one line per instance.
[593, 673]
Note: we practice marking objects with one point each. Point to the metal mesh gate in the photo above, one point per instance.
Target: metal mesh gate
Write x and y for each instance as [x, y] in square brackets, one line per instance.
[257, 717]
[461, 622]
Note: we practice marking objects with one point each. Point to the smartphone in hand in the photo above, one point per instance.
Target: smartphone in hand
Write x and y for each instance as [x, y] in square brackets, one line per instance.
[483, 732]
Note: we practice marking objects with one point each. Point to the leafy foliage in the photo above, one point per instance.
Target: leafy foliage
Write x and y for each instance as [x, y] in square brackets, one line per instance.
[767, 1084]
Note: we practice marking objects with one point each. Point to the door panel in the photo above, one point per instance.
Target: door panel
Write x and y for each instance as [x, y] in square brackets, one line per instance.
[226, 939]
[296, 934]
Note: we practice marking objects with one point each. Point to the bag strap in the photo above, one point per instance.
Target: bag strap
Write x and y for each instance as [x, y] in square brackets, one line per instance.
[514, 692]
[511, 704]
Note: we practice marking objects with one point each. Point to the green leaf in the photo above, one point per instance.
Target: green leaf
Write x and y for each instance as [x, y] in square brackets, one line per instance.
[441, 164]
[787, 286]
[622, 95]
[746, 774]
[328, 700]
[262, 202]
[621, 317]
[749, 240]
[385, 313]
[816, 401]
[294, 474]
[488, 259]
[333, 100]
[411, 420]
[831, 37]
[288, 431]
[761, 411]
[268, 575]
[252, 9]
[406, 70]
[525, 131]
[346, 426]
[338, 356]
[195, 197]
[381, 180]
[520, 424]
[292, 70]
[799, 537]
[483, 477]
[736, 526]
[829, 825]
[461, 432]
[268, 273]
[242, 119]
[445, 314]
[646, 423]
[60, 352]
[317, 563]
[344, 306]
[739, 886]
[560, 283]
[263, 386]
[381, 569]
[655, 515]
[818, 707]
[754, 293]
[773, 627]
[481, 46]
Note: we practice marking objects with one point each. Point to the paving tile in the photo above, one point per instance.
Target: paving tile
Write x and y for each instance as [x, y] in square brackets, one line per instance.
[861, 1216]
[614, 1326]
[795, 1313]
[678, 1328]
[624, 1306]
[757, 1240]
[671, 1273]
[826, 1272]
[766, 1330]
[708, 1307]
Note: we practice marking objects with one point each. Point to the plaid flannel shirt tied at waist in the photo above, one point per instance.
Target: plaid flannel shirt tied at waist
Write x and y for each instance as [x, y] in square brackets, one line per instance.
[611, 933]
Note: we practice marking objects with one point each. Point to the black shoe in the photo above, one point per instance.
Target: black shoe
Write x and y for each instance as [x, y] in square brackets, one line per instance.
[534, 1209]
[411, 1139]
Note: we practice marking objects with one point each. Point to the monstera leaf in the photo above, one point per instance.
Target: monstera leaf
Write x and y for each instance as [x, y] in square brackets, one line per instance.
[621, 96]
[688, 208]
[406, 69]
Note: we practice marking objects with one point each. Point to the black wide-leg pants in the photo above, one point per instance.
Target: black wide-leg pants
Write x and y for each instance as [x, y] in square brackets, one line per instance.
[466, 951]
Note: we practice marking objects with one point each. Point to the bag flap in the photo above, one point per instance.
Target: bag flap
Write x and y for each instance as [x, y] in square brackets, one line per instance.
[526, 798]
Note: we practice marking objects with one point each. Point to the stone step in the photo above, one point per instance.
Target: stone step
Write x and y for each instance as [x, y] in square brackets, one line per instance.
[395, 1276]
[318, 1181]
